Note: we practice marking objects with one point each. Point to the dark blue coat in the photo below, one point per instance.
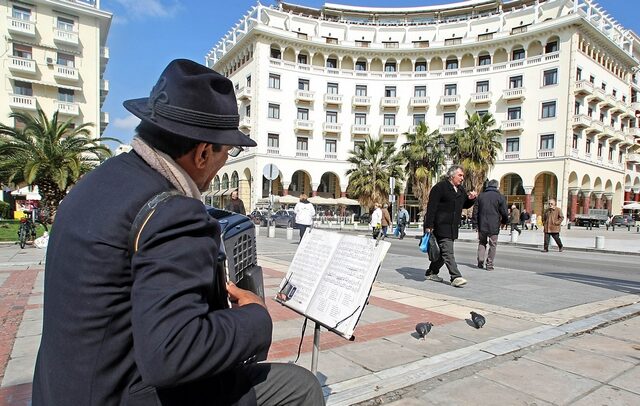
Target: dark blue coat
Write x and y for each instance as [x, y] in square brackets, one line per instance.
[444, 209]
[142, 331]
[490, 211]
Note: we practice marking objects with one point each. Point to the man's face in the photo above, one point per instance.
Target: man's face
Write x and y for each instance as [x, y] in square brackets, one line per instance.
[234, 195]
[552, 205]
[215, 161]
[458, 177]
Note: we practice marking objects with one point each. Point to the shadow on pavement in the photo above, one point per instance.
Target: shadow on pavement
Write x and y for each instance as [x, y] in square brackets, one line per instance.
[619, 285]
[414, 274]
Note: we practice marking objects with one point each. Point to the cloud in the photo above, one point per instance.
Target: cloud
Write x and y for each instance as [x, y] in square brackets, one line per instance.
[127, 124]
[141, 9]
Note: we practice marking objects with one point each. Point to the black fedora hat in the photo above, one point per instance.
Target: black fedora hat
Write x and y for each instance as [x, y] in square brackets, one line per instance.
[195, 102]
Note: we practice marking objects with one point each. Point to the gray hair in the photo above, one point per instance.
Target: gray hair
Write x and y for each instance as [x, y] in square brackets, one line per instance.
[493, 183]
[452, 170]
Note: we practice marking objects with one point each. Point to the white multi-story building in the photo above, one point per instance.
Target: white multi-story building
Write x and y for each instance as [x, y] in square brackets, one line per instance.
[558, 76]
[54, 57]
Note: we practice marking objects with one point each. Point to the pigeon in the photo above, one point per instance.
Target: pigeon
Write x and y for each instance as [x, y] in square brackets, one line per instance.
[478, 320]
[423, 329]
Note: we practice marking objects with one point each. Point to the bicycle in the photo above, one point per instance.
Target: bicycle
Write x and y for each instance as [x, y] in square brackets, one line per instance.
[27, 230]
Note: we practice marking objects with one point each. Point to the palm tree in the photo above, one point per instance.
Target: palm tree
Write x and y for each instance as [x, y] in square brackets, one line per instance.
[424, 161]
[373, 164]
[49, 154]
[476, 148]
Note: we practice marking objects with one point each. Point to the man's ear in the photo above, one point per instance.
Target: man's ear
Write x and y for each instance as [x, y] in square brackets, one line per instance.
[202, 152]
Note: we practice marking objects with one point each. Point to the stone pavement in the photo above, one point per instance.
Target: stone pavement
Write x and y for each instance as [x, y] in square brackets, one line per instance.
[586, 354]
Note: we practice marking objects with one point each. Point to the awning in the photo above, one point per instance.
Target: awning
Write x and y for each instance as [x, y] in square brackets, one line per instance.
[322, 200]
[217, 192]
[227, 192]
[38, 82]
[28, 195]
[347, 202]
[288, 199]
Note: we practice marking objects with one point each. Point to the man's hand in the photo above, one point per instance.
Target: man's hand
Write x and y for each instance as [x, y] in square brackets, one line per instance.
[243, 297]
[427, 230]
[472, 195]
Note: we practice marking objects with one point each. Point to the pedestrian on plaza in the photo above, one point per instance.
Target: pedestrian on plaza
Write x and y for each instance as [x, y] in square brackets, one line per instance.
[376, 220]
[514, 219]
[505, 226]
[524, 219]
[131, 313]
[304, 211]
[490, 211]
[552, 220]
[235, 204]
[403, 221]
[534, 220]
[386, 220]
[446, 201]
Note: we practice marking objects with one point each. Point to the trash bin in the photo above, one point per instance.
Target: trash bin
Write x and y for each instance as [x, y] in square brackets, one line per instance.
[599, 242]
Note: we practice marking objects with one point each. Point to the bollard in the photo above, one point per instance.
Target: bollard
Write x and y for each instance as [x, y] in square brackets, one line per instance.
[355, 226]
[514, 236]
[341, 225]
[568, 226]
[289, 233]
[272, 231]
[257, 226]
[599, 242]
[628, 227]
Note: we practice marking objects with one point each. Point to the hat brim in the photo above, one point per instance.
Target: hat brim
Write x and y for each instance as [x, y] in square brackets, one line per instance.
[233, 137]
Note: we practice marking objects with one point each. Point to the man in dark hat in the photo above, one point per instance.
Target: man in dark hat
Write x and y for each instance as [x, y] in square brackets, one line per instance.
[143, 325]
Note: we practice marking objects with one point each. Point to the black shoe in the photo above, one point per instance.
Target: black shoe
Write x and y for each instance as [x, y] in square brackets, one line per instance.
[545, 250]
[480, 265]
[560, 249]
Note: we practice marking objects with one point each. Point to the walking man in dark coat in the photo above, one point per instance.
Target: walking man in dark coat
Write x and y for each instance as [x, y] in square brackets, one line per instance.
[489, 213]
[140, 321]
[446, 201]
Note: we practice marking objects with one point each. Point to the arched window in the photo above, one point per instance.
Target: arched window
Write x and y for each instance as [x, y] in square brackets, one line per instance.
[234, 180]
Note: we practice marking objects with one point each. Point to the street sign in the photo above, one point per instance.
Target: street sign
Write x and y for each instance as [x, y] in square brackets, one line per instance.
[270, 171]
[392, 198]
[392, 184]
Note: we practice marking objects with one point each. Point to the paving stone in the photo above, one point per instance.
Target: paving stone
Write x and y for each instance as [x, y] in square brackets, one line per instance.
[604, 345]
[436, 342]
[585, 363]
[30, 328]
[332, 367]
[290, 328]
[26, 346]
[541, 381]
[390, 294]
[421, 302]
[627, 330]
[376, 314]
[464, 329]
[608, 395]
[19, 370]
[630, 381]
[407, 402]
[379, 354]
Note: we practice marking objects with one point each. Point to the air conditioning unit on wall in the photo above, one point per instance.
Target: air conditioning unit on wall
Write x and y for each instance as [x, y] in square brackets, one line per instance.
[49, 61]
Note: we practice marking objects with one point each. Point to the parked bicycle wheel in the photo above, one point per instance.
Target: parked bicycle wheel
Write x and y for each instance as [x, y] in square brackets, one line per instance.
[22, 235]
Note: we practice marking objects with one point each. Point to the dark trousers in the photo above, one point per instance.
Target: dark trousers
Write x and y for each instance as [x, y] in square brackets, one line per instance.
[483, 240]
[514, 226]
[303, 229]
[556, 238]
[446, 257]
[401, 228]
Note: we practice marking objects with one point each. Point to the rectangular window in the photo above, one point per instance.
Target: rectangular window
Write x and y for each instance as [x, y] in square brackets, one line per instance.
[390, 67]
[302, 35]
[482, 86]
[513, 145]
[450, 90]
[302, 59]
[578, 74]
[248, 80]
[275, 53]
[22, 88]
[302, 144]
[574, 143]
[452, 64]
[592, 79]
[66, 60]
[332, 88]
[332, 116]
[576, 108]
[614, 92]
[274, 81]
[361, 90]
[453, 41]
[21, 13]
[247, 110]
[331, 40]
[274, 110]
[418, 118]
[358, 146]
[599, 150]
[273, 141]
[361, 66]
[303, 114]
[361, 119]
[389, 119]
[517, 54]
[390, 44]
[419, 91]
[610, 155]
[65, 95]
[449, 119]
[484, 60]
[515, 82]
[65, 24]
[330, 146]
[303, 84]
[551, 47]
[332, 63]
[482, 112]
[590, 112]
[22, 51]
[550, 77]
[363, 44]
[389, 91]
[604, 86]
[420, 44]
[514, 113]
[421, 66]
[587, 146]
[548, 109]
[546, 142]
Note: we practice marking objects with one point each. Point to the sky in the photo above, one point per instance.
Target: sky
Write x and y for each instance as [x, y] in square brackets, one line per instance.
[146, 35]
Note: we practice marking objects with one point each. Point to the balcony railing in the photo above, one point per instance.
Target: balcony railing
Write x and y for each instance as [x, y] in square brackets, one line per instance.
[332, 127]
[633, 131]
[305, 125]
[22, 65]
[513, 94]
[245, 122]
[420, 101]
[361, 101]
[302, 154]
[451, 100]
[448, 128]
[330, 155]
[23, 27]
[360, 129]
[304, 95]
[482, 97]
[67, 108]
[333, 98]
[66, 72]
[583, 87]
[512, 155]
[598, 94]
[633, 158]
[273, 150]
[392, 102]
[596, 126]
[389, 130]
[22, 102]
[244, 93]
[64, 36]
[581, 120]
[545, 153]
[513, 125]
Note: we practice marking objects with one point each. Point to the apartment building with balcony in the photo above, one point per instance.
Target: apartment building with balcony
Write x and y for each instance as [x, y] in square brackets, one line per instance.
[559, 77]
[55, 57]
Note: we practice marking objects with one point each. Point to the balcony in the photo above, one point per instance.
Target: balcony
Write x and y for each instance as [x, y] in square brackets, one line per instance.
[635, 106]
[335, 128]
[333, 99]
[422, 101]
[545, 153]
[22, 102]
[302, 153]
[513, 94]
[608, 102]
[581, 121]
[390, 102]
[596, 126]
[609, 132]
[512, 155]
[598, 95]
[66, 72]
[633, 158]
[448, 128]
[104, 53]
[330, 155]
[482, 97]
[67, 108]
[23, 27]
[513, 125]
[361, 101]
[451, 100]
[244, 93]
[104, 89]
[303, 125]
[304, 96]
[634, 132]
[65, 37]
[245, 122]
[360, 129]
[583, 88]
[386, 130]
[104, 121]
[273, 150]
[22, 65]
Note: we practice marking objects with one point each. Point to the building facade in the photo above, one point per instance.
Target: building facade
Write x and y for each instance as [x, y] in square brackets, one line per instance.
[55, 57]
[559, 77]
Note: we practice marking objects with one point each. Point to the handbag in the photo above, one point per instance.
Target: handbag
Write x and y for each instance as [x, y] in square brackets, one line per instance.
[434, 249]
[424, 242]
[396, 231]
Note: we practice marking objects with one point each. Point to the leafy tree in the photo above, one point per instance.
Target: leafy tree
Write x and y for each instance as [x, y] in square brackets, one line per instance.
[49, 154]
[373, 165]
[424, 160]
[476, 148]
